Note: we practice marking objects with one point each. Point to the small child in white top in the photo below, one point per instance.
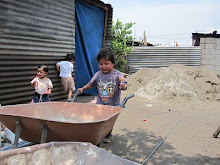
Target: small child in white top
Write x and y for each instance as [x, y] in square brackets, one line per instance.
[66, 68]
[42, 85]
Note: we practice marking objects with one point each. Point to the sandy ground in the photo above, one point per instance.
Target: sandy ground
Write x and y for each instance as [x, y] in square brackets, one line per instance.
[190, 125]
[136, 135]
[182, 120]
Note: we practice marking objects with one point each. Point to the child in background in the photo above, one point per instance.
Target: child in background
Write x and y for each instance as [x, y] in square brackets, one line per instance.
[66, 68]
[108, 81]
[8, 135]
[42, 85]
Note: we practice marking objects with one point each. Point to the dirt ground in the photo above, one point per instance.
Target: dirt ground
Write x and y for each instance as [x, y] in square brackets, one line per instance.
[142, 126]
[186, 127]
[175, 112]
[177, 107]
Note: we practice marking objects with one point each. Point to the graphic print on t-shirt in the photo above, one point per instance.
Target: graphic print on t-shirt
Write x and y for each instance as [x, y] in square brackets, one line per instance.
[41, 88]
[106, 89]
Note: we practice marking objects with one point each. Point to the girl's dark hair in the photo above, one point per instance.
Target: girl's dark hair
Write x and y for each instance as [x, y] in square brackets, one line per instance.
[107, 54]
[44, 67]
[70, 57]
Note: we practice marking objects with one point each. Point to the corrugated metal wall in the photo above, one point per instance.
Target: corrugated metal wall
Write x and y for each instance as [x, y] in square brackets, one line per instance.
[155, 57]
[18, 71]
[33, 33]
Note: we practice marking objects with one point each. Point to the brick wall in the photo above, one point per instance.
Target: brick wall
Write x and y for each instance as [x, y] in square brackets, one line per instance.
[210, 53]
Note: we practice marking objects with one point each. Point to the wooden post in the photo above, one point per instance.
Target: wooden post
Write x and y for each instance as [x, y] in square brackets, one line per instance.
[105, 28]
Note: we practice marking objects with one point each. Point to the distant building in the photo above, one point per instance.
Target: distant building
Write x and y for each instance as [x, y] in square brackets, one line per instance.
[196, 37]
[138, 43]
[210, 49]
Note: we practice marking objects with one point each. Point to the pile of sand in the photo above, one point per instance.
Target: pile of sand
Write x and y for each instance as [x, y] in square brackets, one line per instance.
[175, 82]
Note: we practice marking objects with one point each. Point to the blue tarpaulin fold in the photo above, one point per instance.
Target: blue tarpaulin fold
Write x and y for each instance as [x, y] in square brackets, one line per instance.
[88, 39]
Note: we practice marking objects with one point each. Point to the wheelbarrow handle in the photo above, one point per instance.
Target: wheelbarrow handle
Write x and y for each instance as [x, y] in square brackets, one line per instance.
[126, 99]
[77, 92]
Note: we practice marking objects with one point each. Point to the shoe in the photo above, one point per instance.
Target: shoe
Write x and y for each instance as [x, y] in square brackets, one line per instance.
[107, 139]
[69, 99]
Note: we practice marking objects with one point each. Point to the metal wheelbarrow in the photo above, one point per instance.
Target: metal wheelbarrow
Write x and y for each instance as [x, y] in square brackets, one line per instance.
[55, 153]
[60, 121]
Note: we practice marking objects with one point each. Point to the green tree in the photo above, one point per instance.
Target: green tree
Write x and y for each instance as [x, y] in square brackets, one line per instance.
[121, 37]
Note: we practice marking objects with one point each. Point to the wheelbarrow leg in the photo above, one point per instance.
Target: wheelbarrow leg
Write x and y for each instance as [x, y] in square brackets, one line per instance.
[17, 132]
[1, 135]
[44, 133]
[216, 132]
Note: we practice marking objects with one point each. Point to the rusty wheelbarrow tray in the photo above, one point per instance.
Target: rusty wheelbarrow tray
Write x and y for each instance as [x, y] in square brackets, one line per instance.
[62, 153]
[60, 121]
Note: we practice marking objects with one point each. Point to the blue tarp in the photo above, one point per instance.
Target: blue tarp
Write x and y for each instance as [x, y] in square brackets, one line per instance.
[89, 36]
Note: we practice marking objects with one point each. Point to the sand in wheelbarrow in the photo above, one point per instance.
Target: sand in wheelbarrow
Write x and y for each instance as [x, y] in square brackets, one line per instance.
[68, 153]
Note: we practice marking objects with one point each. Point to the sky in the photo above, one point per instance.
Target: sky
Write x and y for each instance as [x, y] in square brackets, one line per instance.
[168, 21]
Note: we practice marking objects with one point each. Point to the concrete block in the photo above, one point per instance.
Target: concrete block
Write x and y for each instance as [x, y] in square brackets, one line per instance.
[202, 40]
[202, 43]
[214, 41]
[214, 46]
[211, 57]
[214, 62]
[207, 40]
[206, 51]
[210, 46]
[218, 46]
[202, 46]
[215, 52]
[211, 40]
[204, 62]
[218, 41]
[217, 57]
[211, 67]
[203, 56]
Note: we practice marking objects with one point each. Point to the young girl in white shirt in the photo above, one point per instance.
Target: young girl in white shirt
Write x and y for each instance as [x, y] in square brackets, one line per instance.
[42, 85]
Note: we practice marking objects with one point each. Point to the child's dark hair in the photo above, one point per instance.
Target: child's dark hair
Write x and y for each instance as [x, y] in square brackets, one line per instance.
[44, 67]
[70, 56]
[107, 54]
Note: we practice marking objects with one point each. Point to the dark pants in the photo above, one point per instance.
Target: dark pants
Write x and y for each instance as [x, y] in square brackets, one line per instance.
[45, 98]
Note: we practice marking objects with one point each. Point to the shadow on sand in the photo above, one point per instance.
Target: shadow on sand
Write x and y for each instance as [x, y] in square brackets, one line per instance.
[138, 145]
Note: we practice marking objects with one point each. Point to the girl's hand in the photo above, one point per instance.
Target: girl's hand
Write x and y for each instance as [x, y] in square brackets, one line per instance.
[48, 92]
[33, 84]
[122, 85]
